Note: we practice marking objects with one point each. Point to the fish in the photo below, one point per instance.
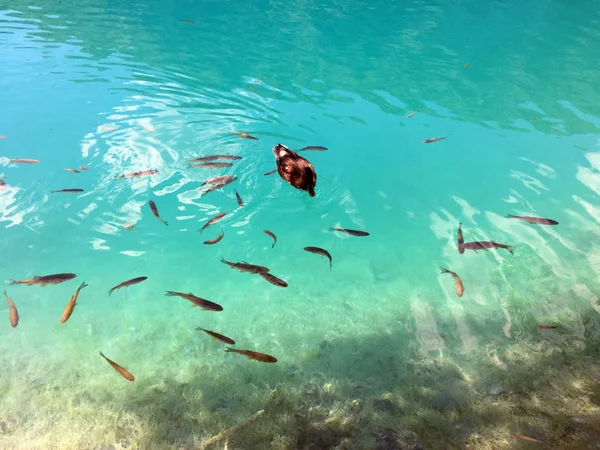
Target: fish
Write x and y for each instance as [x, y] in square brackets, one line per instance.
[209, 165]
[273, 279]
[72, 170]
[149, 129]
[547, 327]
[526, 438]
[154, 210]
[467, 65]
[46, 279]
[67, 191]
[13, 314]
[245, 135]
[245, 267]
[197, 301]
[350, 232]
[534, 220]
[23, 160]
[458, 284]
[270, 233]
[129, 227]
[71, 305]
[215, 240]
[142, 173]
[532, 120]
[253, 355]
[83, 168]
[2, 184]
[214, 157]
[320, 251]
[215, 219]
[127, 283]
[317, 148]
[486, 245]
[120, 369]
[239, 199]
[271, 172]
[217, 336]
[2, 137]
[410, 115]
[187, 21]
[461, 241]
[295, 170]
[221, 180]
[429, 141]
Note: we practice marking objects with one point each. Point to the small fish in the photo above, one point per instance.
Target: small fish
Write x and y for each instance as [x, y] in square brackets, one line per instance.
[429, 141]
[547, 327]
[270, 233]
[271, 172]
[2, 184]
[2, 137]
[217, 336]
[214, 157]
[486, 245]
[197, 301]
[221, 180]
[467, 64]
[149, 129]
[526, 438]
[461, 241]
[24, 161]
[245, 267]
[154, 210]
[245, 136]
[46, 279]
[13, 314]
[320, 251]
[209, 165]
[218, 184]
[67, 191]
[187, 21]
[83, 168]
[273, 279]
[317, 148]
[143, 173]
[71, 305]
[106, 128]
[127, 283]
[458, 284]
[532, 120]
[215, 219]
[350, 232]
[239, 199]
[72, 170]
[215, 240]
[410, 115]
[534, 220]
[122, 371]
[129, 227]
[253, 355]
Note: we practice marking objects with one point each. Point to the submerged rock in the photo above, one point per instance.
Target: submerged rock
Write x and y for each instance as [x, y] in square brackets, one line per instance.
[388, 439]
[385, 404]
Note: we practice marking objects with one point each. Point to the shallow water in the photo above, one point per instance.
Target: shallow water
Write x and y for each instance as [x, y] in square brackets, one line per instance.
[378, 352]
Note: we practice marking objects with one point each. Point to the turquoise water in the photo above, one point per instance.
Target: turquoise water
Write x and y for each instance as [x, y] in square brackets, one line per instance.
[379, 352]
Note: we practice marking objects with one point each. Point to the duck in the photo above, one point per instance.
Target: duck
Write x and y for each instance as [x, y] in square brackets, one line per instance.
[295, 169]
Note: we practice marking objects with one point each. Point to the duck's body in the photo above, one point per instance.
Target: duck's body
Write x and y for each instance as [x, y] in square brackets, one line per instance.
[295, 169]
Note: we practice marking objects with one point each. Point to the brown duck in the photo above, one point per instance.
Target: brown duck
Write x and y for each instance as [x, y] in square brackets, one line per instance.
[295, 169]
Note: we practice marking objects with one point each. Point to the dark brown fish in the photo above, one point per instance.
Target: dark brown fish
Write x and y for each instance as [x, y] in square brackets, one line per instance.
[245, 267]
[273, 279]
[534, 220]
[295, 170]
[83, 168]
[239, 199]
[317, 148]
[486, 245]
[214, 157]
[215, 219]
[67, 191]
[71, 305]
[72, 170]
[209, 165]
[245, 136]
[461, 241]
[547, 327]
[196, 301]
[429, 141]
[270, 233]
[154, 210]
[320, 251]
[128, 283]
[350, 232]
[13, 314]
[254, 355]
[458, 284]
[187, 21]
[46, 279]
[215, 240]
[271, 172]
[526, 438]
[23, 161]
[143, 173]
[467, 64]
[217, 336]
[120, 369]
